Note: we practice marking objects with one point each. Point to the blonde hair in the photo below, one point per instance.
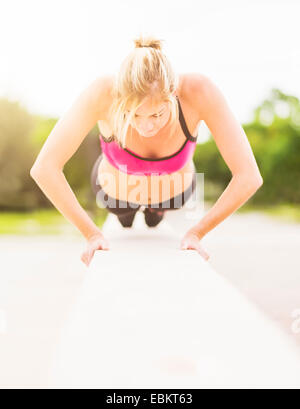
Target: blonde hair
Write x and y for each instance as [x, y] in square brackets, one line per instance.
[146, 71]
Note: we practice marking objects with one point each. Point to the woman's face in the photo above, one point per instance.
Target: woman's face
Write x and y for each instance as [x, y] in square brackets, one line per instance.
[150, 117]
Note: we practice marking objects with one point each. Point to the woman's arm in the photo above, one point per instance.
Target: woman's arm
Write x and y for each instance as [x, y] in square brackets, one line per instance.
[234, 147]
[61, 144]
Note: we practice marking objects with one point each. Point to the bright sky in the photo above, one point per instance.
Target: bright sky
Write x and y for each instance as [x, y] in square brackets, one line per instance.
[52, 49]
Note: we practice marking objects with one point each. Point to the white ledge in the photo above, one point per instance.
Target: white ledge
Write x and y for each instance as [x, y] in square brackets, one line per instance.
[152, 315]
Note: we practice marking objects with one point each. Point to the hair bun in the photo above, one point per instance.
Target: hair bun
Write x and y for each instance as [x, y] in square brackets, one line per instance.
[149, 41]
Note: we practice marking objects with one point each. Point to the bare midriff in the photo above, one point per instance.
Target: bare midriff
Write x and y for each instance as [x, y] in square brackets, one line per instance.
[143, 189]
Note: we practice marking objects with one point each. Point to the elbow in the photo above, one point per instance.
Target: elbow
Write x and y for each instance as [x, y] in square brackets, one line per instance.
[34, 172]
[252, 183]
[255, 183]
[258, 182]
[39, 170]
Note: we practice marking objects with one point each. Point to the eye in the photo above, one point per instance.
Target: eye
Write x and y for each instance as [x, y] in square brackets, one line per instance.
[154, 116]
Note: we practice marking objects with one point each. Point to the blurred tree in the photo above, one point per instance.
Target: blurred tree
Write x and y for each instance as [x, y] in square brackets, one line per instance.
[16, 157]
[274, 135]
[275, 138]
[22, 136]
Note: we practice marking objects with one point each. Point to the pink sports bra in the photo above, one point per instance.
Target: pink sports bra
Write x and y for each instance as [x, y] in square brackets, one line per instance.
[129, 162]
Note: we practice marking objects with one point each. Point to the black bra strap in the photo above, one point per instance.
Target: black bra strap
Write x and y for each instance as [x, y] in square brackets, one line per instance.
[183, 123]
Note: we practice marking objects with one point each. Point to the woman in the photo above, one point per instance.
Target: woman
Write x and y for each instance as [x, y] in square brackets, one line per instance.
[148, 120]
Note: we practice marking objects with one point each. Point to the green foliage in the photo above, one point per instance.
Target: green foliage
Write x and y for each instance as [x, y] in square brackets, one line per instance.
[274, 136]
[42, 128]
[17, 154]
[45, 221]
[22, 136]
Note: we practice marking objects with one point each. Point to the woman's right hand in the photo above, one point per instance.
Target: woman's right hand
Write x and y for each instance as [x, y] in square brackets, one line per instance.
[95, 242]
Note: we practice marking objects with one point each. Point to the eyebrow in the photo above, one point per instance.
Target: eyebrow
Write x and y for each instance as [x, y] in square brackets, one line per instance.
[156, 113]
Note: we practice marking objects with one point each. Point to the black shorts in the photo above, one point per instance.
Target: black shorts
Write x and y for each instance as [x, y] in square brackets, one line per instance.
[119, 207]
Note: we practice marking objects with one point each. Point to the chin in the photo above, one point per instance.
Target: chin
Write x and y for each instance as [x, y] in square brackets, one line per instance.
[149, 135]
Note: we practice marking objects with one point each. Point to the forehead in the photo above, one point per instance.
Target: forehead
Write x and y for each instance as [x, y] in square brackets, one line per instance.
[151, 106]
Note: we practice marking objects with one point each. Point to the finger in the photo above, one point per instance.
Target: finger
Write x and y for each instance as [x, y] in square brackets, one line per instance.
[203, 253]
[84, 258]
[90, 255]
[184, 244]
[105, 245]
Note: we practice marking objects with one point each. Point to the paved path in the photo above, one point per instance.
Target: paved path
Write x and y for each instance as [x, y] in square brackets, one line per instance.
[42, 278]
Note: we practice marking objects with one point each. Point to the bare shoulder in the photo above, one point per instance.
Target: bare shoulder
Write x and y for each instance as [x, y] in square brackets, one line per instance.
[196, 89]
[100, 94]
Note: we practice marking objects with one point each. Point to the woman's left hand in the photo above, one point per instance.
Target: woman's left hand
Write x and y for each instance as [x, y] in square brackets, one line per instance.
[192, 242]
